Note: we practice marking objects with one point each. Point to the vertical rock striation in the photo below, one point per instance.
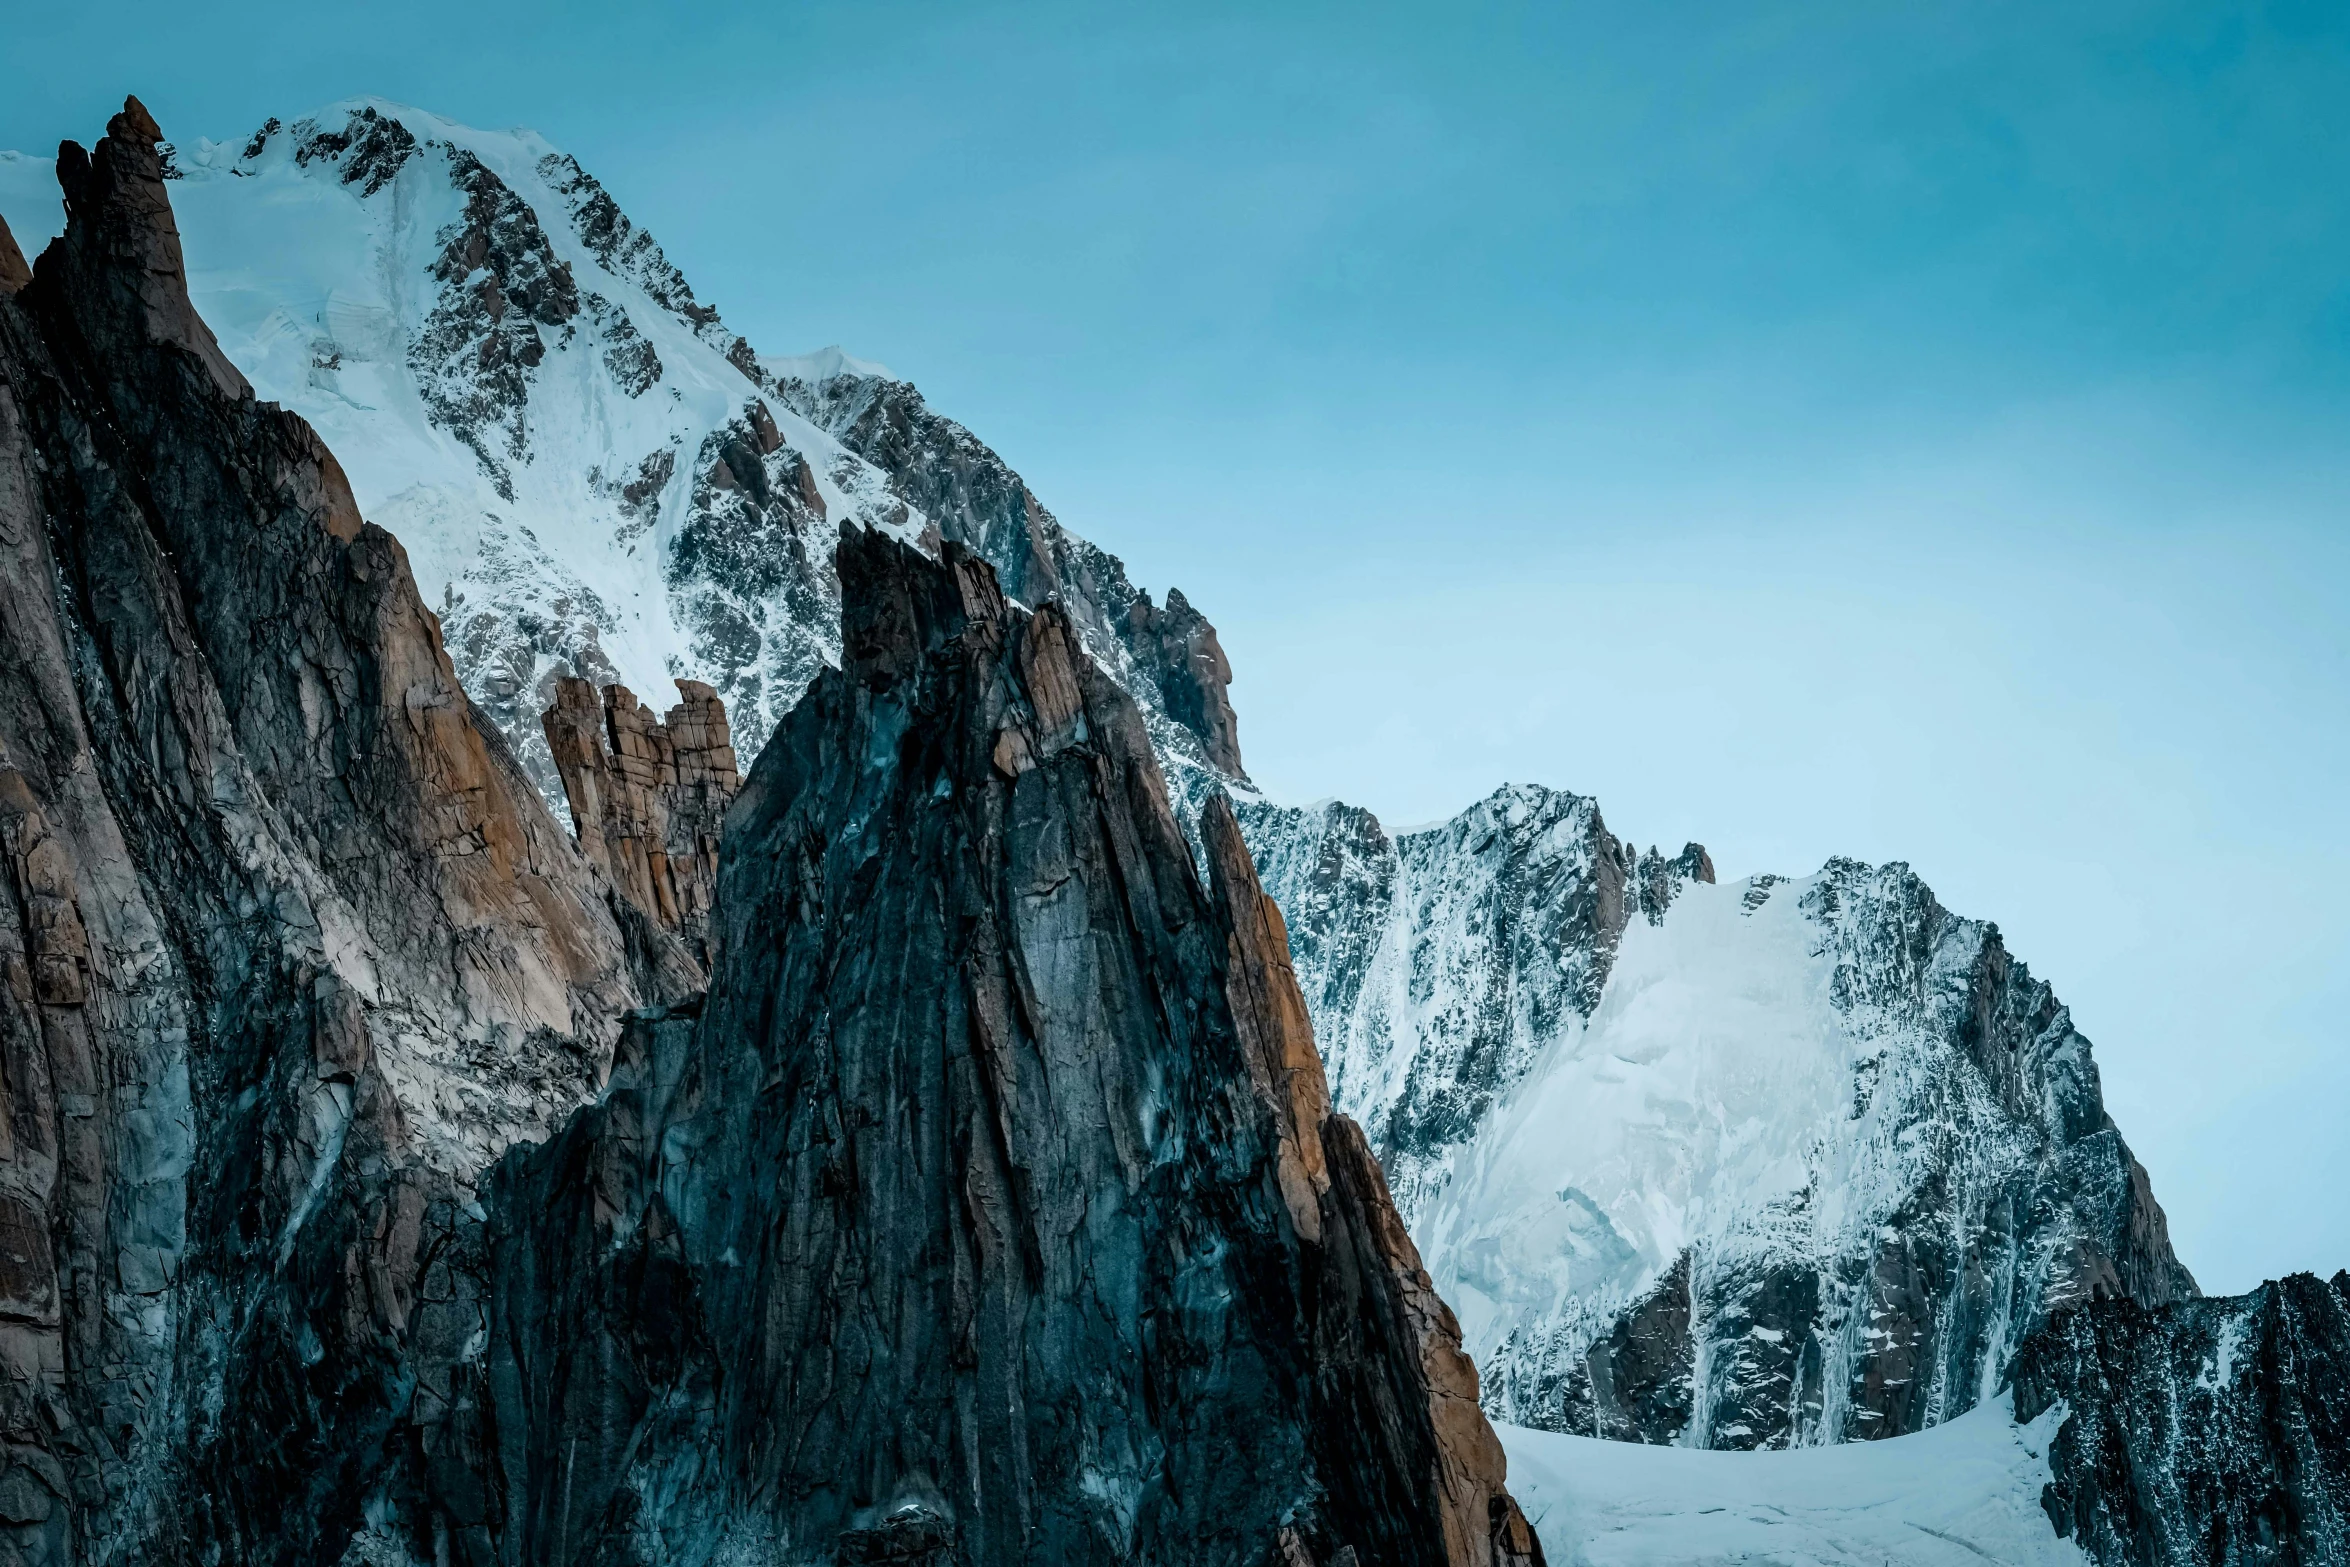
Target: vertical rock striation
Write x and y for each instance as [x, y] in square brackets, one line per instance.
[289, 948]
[648, 799]
[1168, 659]
[990, 1209]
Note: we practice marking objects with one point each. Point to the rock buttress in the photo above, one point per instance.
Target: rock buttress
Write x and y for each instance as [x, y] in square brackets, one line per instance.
[648, 799]
[288, 949]
[2211, 1430]
[991, 1210]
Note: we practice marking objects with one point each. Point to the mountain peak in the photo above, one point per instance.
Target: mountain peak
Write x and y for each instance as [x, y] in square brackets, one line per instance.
[822, 365]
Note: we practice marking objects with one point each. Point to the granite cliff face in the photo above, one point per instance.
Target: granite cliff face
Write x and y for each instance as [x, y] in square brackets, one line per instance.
[990, 1208]
[291, 948]
[648, 799]
[1752, 1166]
[2208, 1431]
[378, 1185]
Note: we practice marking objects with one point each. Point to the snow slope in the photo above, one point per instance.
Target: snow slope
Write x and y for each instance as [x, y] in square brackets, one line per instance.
[589, 471]
[1960, 1495]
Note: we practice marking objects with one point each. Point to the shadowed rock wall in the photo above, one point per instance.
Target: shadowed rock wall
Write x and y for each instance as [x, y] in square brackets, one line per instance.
[2205, 1431]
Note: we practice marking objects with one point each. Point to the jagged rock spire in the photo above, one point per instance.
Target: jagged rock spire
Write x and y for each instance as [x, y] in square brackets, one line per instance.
[648, 799]
[289, 948]
[1001, 1211]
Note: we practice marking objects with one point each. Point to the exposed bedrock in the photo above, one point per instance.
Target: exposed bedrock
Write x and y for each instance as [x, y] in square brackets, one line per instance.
[289, 949]
[990, 1209]
[647, 798]
[2202, 1432]
[1544, 1032]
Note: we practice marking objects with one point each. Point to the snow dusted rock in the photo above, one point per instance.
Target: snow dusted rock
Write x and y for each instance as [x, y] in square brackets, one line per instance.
[2203, 1431]
[1770, 1164]
[1168, 658]
[593, 476]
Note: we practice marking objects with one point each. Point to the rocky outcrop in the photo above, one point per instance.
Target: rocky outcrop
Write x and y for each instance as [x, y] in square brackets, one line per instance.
[1787, 1162]
[648, 799]
[1179, 650]
[990, 1209]
[289, 948]
[2206, 1431]
[1169, 659]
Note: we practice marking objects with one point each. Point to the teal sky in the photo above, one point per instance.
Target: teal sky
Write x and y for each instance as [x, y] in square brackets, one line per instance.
[1912, 432]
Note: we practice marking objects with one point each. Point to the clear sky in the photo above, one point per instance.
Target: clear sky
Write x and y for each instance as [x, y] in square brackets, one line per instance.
[1914, 432]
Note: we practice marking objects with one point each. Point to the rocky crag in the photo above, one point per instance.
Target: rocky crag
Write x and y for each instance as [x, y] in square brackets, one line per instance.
[379, 1185]
[291, 948]
[1749, 1166]
[648, 799]
[1168, 657]
[990, 1208]
[2207, 1431]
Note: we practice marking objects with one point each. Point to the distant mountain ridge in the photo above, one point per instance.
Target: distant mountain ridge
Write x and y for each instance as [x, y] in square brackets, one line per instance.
[1770, 1164]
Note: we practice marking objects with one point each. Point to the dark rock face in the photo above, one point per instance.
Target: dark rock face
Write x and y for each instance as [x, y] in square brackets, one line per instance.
[648, 799]
[1168, 657]
[2207, 1431]
[990, 1209]
[1185, 661]
[289, 949]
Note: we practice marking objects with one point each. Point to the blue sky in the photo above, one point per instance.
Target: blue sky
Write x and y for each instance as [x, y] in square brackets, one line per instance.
[1908, 432]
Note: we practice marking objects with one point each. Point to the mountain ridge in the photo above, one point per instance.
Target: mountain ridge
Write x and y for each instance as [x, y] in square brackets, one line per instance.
[594, 475]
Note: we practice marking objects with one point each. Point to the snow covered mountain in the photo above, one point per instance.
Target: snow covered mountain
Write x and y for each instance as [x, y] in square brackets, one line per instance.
[592, 475]
[1771, 1164]
[1780, 1163]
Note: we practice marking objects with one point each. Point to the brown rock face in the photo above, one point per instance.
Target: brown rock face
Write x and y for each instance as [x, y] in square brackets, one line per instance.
[990, 1210]
[648, 799]
[289, 949]
[14, 274]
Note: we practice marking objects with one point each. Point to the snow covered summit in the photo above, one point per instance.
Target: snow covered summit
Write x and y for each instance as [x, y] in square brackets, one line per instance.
[591, 473]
